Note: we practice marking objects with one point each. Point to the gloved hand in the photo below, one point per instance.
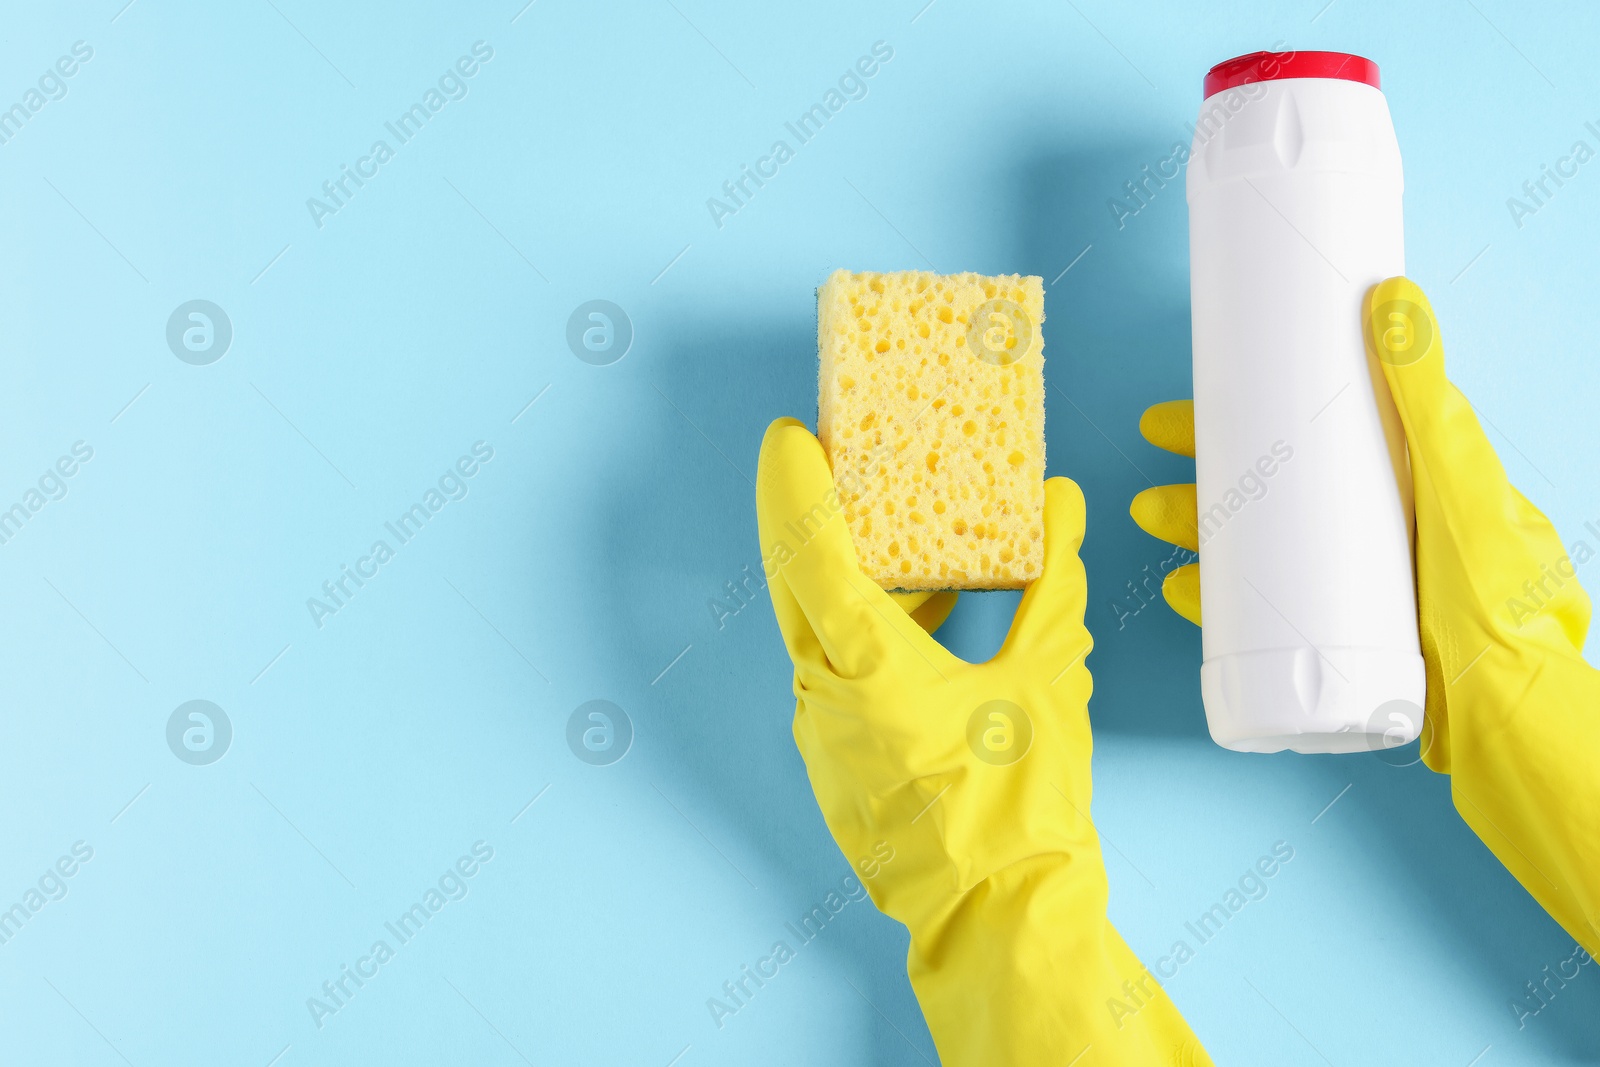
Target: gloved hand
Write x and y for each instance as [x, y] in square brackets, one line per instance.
[1513, 711]
[976, 774]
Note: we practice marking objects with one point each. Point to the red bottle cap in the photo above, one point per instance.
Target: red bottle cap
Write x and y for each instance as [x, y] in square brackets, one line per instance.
[1274, 66]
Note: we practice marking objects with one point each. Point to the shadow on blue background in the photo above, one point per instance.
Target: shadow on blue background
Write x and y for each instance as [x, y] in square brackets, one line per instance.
[1117, 340]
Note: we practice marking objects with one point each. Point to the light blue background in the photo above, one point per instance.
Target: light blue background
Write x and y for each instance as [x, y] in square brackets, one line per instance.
[370, 353]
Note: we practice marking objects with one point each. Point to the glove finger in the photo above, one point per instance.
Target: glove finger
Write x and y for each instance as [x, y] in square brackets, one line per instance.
[928, 610]
[1170, 425]
[1049, 621]
[798, 638]
[786, 475]
[1463, 498]
[1182, 590]
[806, 541]
[1170, 513]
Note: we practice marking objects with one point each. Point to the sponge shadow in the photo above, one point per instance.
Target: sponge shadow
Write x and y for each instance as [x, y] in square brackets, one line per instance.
[715, 734]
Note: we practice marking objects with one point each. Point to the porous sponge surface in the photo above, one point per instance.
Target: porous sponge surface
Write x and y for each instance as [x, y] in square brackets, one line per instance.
[938, 454]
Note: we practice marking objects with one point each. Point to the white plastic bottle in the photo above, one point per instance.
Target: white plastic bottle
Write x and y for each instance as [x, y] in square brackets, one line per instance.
[1307, 589]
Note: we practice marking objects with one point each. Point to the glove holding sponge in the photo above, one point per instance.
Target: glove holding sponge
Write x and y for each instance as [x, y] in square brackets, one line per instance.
[976, 774]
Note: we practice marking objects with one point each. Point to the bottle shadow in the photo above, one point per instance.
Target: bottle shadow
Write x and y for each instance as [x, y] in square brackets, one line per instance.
[1116, 341]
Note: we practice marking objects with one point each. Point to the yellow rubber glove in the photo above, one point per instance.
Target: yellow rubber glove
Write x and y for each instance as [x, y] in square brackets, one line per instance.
[977, 777]
[1513, 711]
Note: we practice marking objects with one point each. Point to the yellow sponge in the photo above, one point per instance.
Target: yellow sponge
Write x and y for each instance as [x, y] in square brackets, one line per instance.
[931, 411]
